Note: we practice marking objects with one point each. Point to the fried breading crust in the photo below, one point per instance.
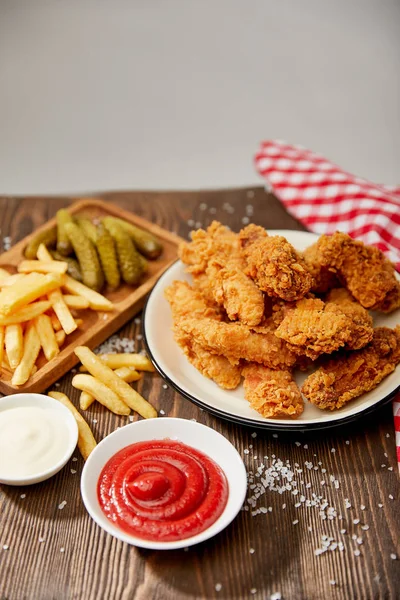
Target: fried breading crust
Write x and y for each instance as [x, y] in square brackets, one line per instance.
[237, 342]
[350, 374]
[324, 279]
[360, 321]
[214, 258]
[274, 394]
[364, 270]
[276, 267]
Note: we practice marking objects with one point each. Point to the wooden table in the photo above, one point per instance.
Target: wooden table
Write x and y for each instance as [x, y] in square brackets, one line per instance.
[51, 553]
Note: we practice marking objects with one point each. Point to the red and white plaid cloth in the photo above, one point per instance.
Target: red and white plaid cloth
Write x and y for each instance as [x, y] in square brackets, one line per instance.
[327, 199]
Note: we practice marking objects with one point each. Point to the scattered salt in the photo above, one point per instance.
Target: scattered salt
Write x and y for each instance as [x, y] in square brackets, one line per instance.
[295, 522]
[203, 206]
[94, 421]
[62, 549]
[165, 387]
[357, 553]
[333, 450]
[275, 435]
[23, 496]
[332, 582]
[393, 556]
[356, 521]
[5, 547]
[213, 210]
[73, 471]
[131, 417]
[251, 550]
[275, 596]
[74, 459]
[362, 507]
[305, 446]
[218, 587]
[62, 504]
[254, 435]
[162, 412]
[380, 505]
[245, 220]
[347, 442]
[41, 540]
[253, 591]
[250, 194]
[114, 344]
[365, 527]
[391, 497]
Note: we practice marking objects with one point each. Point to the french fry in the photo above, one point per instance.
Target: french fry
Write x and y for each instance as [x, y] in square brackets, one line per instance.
[127, 359]
[43, 254]
[55, 321]
[102, 393]
[60, 337]
[38, 266]
[28, 289]
[98, 369]
[96, 300]
[128, 374]
[34, 370]
[2, 336]
[3, 274]
[27, 313]
[77, 302]
[31, 351]
[86, 441]
[47, 337]
[14, 342]
[85, 400]
[11, 279]
[62, 311]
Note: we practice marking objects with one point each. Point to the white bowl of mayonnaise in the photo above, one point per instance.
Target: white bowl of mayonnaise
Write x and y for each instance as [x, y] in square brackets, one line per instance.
[37, 438]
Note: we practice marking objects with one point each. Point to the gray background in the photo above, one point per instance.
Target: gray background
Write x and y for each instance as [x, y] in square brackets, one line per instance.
[178, 93]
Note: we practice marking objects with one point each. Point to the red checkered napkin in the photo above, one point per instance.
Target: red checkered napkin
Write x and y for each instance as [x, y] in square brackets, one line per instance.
[327, 199]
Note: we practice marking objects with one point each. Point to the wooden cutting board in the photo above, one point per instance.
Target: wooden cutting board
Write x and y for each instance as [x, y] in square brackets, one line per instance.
[97, 326]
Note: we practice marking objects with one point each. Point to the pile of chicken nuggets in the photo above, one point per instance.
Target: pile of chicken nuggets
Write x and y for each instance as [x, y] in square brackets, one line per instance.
[258, 309]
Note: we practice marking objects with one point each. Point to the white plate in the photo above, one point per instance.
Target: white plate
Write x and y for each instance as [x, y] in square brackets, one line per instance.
[196, 435]
[172, 364]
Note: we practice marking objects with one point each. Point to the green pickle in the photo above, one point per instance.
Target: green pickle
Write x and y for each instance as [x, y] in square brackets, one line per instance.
[145, 242]
[108, 256]
[73, 266]
[87, 226]
[92, 274]
[64, 245]
[47, 237]
[129, 261]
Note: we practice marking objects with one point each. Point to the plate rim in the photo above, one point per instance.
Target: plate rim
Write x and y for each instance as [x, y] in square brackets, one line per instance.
[291, 425]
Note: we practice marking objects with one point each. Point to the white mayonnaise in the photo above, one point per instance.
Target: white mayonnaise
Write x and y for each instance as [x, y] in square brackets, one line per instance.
[32, 440]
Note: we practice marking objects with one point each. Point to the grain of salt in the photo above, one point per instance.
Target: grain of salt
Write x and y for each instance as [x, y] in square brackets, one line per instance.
[23, 496]
[276, 596]
[218, 587]
[5, 547]
[62, 504]
[393, 556]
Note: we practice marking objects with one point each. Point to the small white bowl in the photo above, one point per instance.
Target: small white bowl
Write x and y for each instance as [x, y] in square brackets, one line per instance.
[200, 437]
[48, 404]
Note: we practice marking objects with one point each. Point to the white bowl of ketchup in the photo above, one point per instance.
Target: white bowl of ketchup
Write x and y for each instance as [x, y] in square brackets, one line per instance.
[164, 483]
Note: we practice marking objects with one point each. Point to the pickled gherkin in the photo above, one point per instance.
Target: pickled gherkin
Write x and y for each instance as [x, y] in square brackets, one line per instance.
[87, 226]
[108, 256]
[129, 261]
[64, 245]
[73, 265]
[47, 237]
[145, 242]
[92, 274]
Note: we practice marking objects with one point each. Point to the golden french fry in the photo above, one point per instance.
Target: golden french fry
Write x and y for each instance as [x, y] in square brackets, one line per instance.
[85, 400]
[98, 369]
[77, 302]
[86, 441]
[27, 313]
[102, 393]
[62, 311]
[96, 300]
[11, 279]
[127, 359]
[47, 337]
[2, 336]
[31, 351]
[14, 342]
[128, 374]
[60, 337]
[55, 322]
[34, 370]
[38, 266]
[28, 289]
[43, 254]
[3, 274]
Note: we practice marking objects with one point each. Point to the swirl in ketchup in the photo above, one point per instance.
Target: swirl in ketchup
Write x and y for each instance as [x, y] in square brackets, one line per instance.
[162, 490]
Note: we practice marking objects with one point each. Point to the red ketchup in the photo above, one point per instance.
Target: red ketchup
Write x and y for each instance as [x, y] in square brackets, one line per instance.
[162, 490]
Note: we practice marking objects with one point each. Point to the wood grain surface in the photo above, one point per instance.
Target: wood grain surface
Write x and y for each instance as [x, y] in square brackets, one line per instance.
[50, 553]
